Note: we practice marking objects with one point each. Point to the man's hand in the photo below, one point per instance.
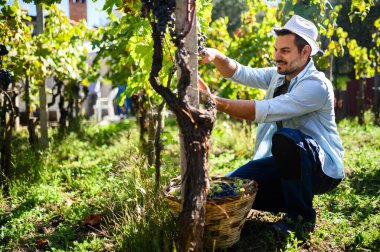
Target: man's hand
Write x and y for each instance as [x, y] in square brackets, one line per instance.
[208, 55]
[243, 109]
[204, 91]
[224, 65]
[203, 86]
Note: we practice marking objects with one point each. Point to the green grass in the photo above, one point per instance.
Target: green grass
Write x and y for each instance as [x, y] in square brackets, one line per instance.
[102, 171]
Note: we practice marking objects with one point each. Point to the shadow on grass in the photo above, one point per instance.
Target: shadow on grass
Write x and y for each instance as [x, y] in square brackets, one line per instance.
[366, 187]
[366, 184]
[26, 206]
[257, 235]
[60, 235]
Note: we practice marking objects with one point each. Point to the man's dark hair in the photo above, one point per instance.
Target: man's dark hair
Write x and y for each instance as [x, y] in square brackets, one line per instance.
[299, 41]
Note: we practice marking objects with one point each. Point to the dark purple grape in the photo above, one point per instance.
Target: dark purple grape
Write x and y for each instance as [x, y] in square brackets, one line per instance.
[3, 50]
[5, 79]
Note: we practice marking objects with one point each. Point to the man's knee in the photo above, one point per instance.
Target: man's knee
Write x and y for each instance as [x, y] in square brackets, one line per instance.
[287, 154]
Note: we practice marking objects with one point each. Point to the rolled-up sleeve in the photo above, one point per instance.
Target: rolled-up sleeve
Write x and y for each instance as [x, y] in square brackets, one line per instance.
[307, 96]
[261, 110]
[253, 77]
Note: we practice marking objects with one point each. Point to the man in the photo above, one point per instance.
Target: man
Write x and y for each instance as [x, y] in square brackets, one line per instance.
[298, 152]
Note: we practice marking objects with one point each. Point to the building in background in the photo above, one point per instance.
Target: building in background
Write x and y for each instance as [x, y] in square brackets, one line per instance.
[76, 10]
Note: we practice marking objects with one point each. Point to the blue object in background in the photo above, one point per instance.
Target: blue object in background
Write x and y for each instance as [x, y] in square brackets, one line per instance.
[126, 108]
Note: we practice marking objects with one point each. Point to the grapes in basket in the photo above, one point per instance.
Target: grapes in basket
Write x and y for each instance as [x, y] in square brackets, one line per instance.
[219, 189]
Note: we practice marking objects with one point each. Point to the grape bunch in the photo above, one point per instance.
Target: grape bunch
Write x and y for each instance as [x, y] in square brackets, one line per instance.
[3, 50]
[5, 79]
[224, 189]
[218, 189]
[164, 15]
[146, 7]
[201, 41]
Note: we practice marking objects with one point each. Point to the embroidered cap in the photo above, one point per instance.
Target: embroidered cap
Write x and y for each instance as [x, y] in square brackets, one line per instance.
[303, 28]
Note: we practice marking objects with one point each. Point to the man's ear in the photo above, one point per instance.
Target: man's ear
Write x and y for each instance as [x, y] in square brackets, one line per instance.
[306, 51]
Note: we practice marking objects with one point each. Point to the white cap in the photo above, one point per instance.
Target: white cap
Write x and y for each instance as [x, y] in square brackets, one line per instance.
[303, 28]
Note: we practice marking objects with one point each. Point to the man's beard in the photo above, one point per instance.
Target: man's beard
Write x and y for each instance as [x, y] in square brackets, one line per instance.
[285, 71]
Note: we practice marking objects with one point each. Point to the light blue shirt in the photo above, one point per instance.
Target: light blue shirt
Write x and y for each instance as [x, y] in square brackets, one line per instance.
[307, 106]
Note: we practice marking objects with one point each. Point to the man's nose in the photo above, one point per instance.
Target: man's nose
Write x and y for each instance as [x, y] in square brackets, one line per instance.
[276, 56]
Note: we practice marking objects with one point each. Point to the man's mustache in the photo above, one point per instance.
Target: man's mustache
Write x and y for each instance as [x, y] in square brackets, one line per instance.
[281, 61]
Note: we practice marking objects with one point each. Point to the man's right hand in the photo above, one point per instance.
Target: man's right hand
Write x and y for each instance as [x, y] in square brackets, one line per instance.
[223, 64]
[208, 55]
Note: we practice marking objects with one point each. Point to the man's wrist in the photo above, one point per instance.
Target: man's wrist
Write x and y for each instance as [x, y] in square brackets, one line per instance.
[221, 104]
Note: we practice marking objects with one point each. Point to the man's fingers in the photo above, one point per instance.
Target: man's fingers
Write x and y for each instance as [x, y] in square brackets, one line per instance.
[202, 61]
[203, 86]
[203, 54]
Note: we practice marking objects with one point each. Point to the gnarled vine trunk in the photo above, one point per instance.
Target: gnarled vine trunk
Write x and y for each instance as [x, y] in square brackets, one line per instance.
[195, 126]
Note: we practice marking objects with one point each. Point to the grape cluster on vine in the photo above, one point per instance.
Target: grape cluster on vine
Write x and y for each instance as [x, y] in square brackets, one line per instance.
[146, 7]
[201, 41]
[3, 50]
[5, 79]
[163, 12]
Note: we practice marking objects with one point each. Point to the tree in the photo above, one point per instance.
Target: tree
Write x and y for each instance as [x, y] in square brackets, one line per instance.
[195, 123]
[16, 36]
[39, 28]
[8, 114]
[62, 46]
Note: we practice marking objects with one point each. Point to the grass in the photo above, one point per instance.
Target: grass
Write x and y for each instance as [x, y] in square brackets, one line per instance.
[93, 191]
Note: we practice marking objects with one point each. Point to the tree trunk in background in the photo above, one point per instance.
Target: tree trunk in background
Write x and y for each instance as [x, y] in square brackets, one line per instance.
[7, 153]
[331, 76]
[31, 121]
[376, 103]
[43, 116]
[74, 118]
[8, 113]
[42, 86]
[141, 114]
[151, 134]
[361, 100]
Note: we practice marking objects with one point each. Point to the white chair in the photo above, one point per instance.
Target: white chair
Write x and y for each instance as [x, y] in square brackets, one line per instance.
[106, 103]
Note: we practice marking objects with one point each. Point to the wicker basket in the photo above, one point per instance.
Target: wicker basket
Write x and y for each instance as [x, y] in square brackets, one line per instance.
[225, 216]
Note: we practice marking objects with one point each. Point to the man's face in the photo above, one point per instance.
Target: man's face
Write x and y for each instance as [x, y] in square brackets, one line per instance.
[289, 61]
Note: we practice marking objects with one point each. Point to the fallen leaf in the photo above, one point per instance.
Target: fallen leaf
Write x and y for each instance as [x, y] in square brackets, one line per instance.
[42, 242]
[92, 220]
[70, 200]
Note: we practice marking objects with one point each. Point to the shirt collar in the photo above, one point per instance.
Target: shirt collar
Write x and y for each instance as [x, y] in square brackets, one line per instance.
[309, 66]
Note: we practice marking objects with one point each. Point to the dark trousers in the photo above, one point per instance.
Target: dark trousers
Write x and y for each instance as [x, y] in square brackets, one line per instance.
[291, 177]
